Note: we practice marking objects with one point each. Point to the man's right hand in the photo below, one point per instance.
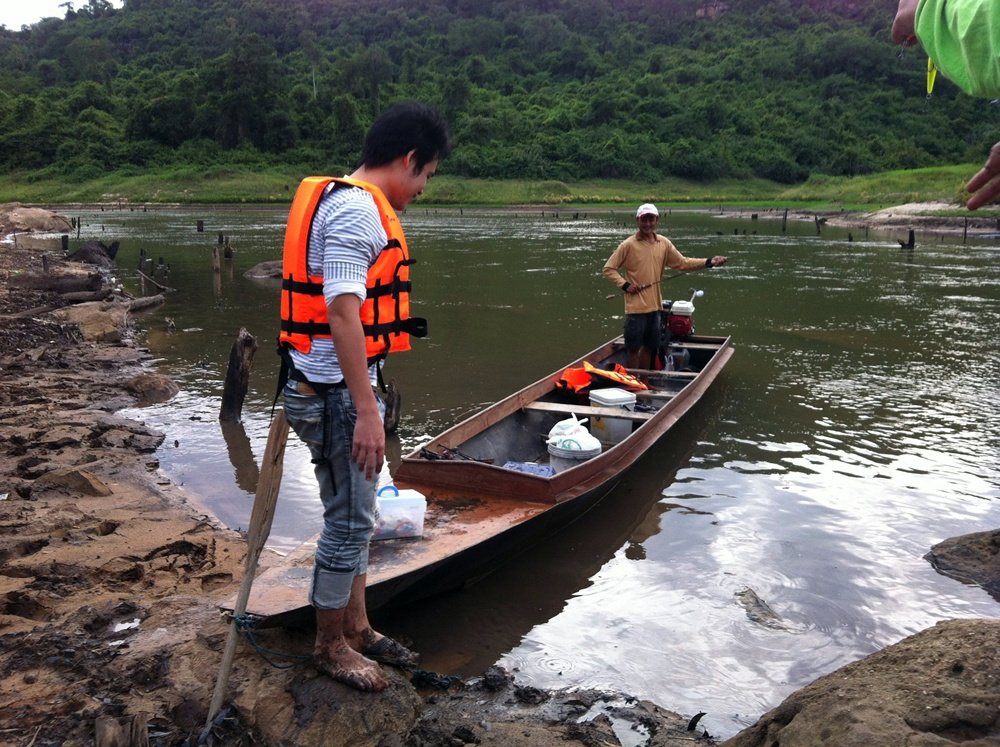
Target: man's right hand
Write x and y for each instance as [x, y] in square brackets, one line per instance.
[368, 449]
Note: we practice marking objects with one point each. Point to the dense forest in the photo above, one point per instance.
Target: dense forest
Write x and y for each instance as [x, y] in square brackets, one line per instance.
[536, 89]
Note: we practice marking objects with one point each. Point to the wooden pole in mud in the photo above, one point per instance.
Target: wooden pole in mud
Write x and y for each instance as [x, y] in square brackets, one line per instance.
[132, 730]
[265, 499]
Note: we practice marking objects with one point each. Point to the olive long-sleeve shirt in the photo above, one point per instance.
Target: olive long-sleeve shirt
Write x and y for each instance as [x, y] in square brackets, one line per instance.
[643, 263]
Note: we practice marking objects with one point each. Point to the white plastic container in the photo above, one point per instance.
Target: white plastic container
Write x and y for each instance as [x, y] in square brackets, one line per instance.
[400, 513]
[561, 459]
[609, 430]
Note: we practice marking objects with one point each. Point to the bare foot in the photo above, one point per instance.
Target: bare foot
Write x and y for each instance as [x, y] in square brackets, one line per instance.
[346, 665]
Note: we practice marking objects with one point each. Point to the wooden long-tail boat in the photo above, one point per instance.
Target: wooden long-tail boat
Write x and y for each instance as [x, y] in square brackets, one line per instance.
[489, 487]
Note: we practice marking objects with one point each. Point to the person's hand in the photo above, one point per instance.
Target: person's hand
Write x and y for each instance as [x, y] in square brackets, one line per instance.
[719, 261]
[985, 185]
[368, 448]
[903, 25]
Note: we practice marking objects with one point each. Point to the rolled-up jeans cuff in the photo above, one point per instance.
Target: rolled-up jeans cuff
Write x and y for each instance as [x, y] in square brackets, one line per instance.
[331, 590]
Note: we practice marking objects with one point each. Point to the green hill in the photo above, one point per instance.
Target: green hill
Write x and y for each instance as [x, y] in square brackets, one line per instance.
[548, 91]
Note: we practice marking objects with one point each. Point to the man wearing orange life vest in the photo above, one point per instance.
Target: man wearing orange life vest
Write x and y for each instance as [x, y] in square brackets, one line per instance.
[644, 256]
[344, 306]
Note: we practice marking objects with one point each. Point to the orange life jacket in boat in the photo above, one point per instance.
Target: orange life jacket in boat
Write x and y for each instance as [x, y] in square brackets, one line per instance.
[578, 379]
[385, 312]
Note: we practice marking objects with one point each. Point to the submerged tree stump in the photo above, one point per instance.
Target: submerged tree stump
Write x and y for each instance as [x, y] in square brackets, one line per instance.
[237, 376]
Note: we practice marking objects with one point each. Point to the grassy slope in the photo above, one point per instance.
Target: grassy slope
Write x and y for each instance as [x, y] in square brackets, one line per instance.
[231, 184]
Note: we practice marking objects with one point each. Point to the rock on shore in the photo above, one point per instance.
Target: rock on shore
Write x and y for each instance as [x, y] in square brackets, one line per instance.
[16, 217]
[939, 687]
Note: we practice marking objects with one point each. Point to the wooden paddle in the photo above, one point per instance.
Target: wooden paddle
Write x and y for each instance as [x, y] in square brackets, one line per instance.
[265, 499]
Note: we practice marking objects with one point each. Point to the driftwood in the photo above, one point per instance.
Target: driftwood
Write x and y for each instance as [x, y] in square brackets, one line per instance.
[85, 296]
[68, 298]
[146, 302]
[237, 376]
[148, 279]
[136, 304]
[58, 283]
[28, 313]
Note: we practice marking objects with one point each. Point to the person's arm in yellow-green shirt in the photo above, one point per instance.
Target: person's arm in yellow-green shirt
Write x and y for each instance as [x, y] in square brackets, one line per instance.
[962, 37]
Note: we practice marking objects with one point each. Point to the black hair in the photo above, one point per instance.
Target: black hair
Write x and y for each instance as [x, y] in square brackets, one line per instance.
[406, 126]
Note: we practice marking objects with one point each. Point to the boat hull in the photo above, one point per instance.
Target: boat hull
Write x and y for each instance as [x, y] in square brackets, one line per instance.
[468, 474]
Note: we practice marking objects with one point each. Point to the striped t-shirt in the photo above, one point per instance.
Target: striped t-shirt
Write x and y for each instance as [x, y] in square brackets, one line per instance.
[346, 239]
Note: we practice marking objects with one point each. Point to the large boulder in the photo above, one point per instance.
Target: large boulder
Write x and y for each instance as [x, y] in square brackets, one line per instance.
[151, 388]
[16, 217]
[269, 270]
[938, 687]
[971, 558]
[96, 253]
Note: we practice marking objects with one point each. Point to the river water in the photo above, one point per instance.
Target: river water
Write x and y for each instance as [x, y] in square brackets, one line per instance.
[855, 427]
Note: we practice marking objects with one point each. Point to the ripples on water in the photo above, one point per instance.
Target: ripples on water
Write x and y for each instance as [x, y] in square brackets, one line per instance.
[854, 428]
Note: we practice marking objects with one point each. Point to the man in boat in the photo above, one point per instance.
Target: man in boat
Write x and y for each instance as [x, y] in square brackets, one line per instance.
[644, 256]
[344, 307]
[962, 39]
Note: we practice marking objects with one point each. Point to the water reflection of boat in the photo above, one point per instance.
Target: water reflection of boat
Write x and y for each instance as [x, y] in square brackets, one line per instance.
[537, 585]
[490, 488]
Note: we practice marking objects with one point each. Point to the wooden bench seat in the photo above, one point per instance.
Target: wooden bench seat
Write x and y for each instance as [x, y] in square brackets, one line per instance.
[655, 395]
[694, 345]
[589, 410]
[648, 372]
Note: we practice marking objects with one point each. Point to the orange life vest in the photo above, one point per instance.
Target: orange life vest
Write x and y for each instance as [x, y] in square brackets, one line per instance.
[385, 312]
[579, 379]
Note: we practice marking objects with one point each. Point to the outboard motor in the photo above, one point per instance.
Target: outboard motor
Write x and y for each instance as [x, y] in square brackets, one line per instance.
[676, 320]
[678, 315]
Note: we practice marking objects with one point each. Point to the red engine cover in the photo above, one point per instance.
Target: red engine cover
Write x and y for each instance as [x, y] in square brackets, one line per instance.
[679, 325]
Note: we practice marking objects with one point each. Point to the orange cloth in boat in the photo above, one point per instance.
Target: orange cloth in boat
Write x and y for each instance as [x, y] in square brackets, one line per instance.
[579, 379]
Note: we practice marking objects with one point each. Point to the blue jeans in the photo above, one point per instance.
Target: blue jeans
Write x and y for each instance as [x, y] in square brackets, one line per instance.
[326, 424]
